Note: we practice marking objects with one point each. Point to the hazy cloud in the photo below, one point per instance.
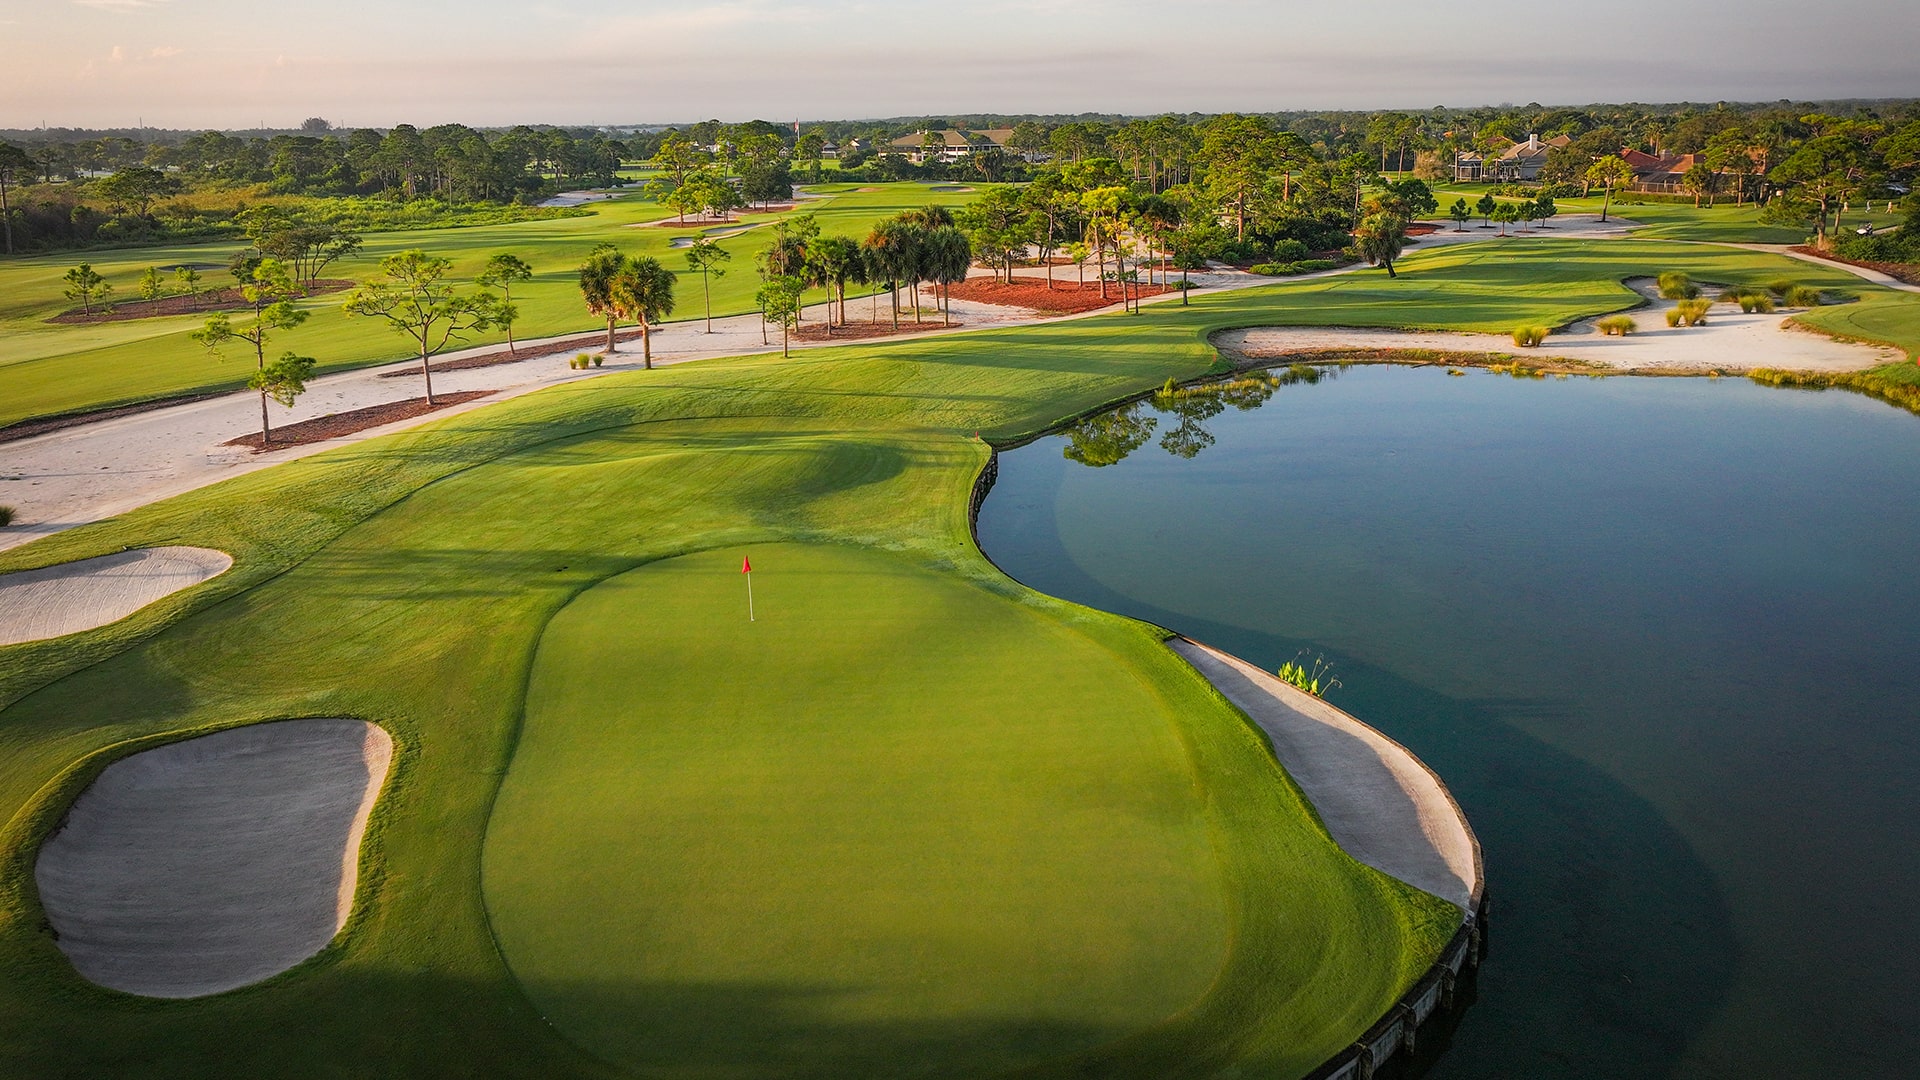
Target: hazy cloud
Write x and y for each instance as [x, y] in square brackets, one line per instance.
[120, 5]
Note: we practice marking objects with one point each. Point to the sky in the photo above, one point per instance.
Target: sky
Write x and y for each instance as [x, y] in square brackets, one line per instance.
[374, 63]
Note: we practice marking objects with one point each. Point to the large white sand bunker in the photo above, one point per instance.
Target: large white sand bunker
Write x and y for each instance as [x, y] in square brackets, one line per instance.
[76, 596]
[1379, 802]
[213, 863]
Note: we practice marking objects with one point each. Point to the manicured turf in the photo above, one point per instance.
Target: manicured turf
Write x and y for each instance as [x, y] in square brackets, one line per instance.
[47, 368]
[859, 831]
[424, 581]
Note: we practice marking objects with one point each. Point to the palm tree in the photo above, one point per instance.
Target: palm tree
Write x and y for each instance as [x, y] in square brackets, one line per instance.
[596, 285]
[832, 262]
[643, 291]
[893, 246]
[949, 257]
[1381, 238]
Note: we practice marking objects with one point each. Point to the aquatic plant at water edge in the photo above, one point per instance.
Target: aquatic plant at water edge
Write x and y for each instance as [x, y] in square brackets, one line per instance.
[1315, 680]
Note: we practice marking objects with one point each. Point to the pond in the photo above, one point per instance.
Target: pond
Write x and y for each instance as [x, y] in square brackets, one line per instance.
[1660, 636]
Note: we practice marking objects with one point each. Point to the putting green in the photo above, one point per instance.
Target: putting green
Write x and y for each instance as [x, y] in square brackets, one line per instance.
[899, 818]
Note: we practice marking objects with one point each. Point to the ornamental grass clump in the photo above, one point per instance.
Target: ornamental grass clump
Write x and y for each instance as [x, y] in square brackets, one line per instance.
[1675, 285]
[1802, 296]
[1528, 337]
[1689, 313]
[1780, 287]
[1617, 326]
[581, 362]
[1756, 303]
[1316, 680]
[6, 516]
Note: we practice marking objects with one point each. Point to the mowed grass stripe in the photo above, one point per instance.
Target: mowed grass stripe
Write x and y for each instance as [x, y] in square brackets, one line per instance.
[897, 819]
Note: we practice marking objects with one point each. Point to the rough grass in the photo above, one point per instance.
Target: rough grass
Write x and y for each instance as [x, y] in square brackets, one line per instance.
[48, 369]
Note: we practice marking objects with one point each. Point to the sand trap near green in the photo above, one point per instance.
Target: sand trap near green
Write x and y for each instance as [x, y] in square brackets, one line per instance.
[212, 863]
[65, 599]
[900, 825]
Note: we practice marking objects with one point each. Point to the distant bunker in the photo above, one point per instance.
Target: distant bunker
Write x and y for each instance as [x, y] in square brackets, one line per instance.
[215, 862]
[58, 600]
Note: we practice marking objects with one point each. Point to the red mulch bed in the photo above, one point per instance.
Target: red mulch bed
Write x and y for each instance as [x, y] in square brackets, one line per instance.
[228, 299]
[1422, 228]
[1067, 297]
[583, 343]
[346, 423]
[1907, 272]
[862, 330]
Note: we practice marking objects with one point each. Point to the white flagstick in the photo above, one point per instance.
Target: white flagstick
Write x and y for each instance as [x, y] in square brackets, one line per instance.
[750, 596]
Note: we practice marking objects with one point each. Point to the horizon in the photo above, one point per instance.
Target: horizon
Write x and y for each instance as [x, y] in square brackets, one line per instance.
[220, 64]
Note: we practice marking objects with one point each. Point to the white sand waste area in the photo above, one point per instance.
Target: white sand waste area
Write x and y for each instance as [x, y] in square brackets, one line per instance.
[213, 863]
[1730, 342]
[1382, 805]
[76, 596]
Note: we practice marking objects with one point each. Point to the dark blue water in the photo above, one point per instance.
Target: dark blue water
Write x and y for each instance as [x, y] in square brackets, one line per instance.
[1660, 636]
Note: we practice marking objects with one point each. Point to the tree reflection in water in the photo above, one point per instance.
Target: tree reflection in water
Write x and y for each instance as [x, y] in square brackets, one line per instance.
[1108, 438]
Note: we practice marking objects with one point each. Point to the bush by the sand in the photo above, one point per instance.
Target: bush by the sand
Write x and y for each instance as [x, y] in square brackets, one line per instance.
[1675, 285]
[6, 516]
[1528, 337]
[1689, 312]
[1617, 326]
[1802, 296]
[1756, 303]
[1289, 269]
[1780, 287]
[581, 362]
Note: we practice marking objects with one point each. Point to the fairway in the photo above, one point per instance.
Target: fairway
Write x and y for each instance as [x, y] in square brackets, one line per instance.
[899, 817]
[48, 369]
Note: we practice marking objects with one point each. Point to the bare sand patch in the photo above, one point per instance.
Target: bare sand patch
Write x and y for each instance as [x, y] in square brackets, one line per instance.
[1381, 804]
[1731, 342]
[71, 597]
[209, 864]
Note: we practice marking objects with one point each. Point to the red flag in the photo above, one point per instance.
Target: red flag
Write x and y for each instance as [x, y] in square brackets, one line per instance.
[745, 566]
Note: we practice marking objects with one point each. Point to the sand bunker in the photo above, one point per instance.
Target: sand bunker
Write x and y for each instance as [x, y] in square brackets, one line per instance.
[209, 864]
[1380, 803]
[1731, 342]
[76, 596]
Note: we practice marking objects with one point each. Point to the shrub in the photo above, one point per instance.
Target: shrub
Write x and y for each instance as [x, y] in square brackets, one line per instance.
[1528, 337]
[598, 360]
[1802, 296]
[6, 516]
[1673, 317]
[1288, 250]
[1691, 312]
[1780, 287]
[1675, 285]
[580, 362]
[1756, 304]
[1288, 269]
[1617, 326]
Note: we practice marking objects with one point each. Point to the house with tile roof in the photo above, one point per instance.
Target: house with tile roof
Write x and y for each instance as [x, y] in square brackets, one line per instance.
[1521, 161]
